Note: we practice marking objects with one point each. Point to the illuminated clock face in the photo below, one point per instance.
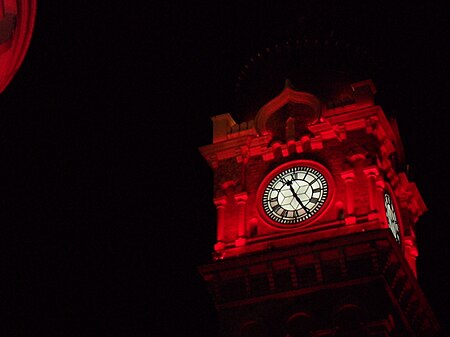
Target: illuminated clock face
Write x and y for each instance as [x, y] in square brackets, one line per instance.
[295, 195]
[391, 216]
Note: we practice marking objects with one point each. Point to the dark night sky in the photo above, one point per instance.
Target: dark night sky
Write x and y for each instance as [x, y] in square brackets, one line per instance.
[106, 203]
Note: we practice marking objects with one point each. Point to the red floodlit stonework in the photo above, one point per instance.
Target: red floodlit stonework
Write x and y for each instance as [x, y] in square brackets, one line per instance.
[16, 27]
[315, 220]
[353, 145]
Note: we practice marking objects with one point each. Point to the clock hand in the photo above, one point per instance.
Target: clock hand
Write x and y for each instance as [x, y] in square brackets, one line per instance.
[298, 199]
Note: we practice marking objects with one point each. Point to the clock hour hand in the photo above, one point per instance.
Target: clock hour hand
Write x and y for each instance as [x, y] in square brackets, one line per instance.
[298, 199]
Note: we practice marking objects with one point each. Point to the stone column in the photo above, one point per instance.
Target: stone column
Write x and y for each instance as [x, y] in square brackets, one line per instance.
[220, 206]
[411, 253]
[371, 174]
[241, 201]
[349, 179]
[379, 199]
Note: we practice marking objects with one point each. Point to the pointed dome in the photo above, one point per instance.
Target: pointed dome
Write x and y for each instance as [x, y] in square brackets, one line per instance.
[324, 68]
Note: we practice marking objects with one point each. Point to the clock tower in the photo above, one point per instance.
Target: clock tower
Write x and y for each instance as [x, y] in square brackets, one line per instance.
[315, 218]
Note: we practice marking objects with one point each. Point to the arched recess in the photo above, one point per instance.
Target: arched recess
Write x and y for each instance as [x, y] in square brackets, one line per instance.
[299, 325]
[253, 329]
[349, 321]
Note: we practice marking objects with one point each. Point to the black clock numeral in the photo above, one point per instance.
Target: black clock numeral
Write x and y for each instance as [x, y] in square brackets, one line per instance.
[298, 180]
[276, 208]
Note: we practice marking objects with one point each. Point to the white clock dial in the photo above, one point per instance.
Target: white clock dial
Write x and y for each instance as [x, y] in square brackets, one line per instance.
[391, 216]
[295, 195]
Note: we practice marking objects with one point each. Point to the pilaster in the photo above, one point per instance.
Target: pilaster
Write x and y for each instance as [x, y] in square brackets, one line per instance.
[241, 201]
[220, 203]
[372, 174]
[349, 179]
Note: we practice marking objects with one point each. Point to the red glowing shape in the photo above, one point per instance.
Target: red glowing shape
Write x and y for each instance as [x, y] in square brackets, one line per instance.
[352, 146]
[16, 27]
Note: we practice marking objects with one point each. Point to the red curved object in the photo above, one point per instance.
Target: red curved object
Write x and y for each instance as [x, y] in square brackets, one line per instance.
[16, 28]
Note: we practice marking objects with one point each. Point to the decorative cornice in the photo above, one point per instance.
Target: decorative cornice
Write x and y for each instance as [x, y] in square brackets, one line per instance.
[385, 263]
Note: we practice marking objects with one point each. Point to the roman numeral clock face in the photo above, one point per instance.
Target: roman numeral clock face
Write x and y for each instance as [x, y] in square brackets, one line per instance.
[294, 195]
[391, 216]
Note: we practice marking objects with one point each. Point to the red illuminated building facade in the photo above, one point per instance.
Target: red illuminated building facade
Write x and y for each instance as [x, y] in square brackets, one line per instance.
[315, 220]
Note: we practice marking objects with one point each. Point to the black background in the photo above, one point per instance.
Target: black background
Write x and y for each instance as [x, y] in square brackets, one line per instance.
[106, 206]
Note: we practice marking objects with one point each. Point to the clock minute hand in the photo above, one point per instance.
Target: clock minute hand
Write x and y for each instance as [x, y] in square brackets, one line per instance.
[298, 199]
